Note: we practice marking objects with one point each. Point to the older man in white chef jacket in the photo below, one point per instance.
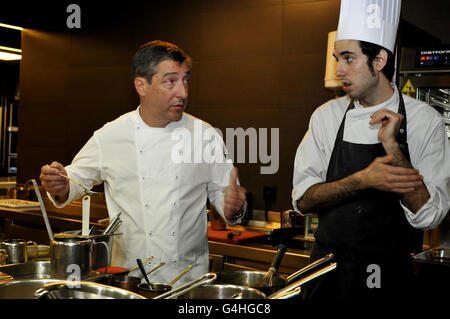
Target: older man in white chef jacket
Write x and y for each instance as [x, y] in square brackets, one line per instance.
[160, 191]
[373, 165]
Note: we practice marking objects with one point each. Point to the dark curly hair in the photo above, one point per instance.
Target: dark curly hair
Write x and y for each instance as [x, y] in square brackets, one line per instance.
[371, 50]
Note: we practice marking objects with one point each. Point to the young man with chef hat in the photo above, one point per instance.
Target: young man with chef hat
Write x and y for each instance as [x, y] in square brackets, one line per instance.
[162, 200]
[374, 165]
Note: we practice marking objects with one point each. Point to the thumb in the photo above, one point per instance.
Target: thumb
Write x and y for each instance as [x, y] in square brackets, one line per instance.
[233, 177]
[386, 159]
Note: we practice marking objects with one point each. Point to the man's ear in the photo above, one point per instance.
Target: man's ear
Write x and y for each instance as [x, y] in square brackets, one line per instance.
[140, 84]
[380, 60]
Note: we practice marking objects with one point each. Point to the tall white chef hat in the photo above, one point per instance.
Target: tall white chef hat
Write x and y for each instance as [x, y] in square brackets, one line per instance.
[374, 21]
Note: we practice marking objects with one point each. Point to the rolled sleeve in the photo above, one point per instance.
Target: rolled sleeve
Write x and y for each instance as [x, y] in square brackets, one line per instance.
[310, 163]
[431, 213]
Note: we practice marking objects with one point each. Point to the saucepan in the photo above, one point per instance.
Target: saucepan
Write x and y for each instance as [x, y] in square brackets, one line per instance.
[159, 288]
[224, 291]
[129, 282]
[251, 278]
[82, 290]
[267, 282]
[204, 279]
[120, 276]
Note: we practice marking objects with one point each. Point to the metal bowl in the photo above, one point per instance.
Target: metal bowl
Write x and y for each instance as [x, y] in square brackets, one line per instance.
[157, 289]
[22, 289]
[83, 290]
[222, 292]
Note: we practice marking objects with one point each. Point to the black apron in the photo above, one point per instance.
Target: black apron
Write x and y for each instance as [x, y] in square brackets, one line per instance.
[367, 229]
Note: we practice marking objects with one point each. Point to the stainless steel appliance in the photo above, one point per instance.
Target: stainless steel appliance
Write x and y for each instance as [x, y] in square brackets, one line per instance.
[424, 74]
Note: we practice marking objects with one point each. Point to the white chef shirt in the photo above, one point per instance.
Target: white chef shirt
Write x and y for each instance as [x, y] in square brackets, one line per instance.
[427, 141]
[163, 202]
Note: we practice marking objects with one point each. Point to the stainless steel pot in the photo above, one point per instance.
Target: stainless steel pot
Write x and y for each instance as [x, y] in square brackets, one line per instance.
[22, 289]
[251, 278]
[247, 278]
[16, 249]
[217, 291]
[159, 288]
[126, 282]
[70, 256]
[83, 290]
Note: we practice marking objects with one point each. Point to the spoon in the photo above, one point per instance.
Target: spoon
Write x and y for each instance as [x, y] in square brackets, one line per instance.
[86, 191]
[141, 267]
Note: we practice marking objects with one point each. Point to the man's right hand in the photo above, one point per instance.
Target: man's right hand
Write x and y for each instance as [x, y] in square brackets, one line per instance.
[53, 183]
[380, 174]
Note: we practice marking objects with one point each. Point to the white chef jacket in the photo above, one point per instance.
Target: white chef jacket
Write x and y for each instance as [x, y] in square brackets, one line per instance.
[427, 141]
[163, 202]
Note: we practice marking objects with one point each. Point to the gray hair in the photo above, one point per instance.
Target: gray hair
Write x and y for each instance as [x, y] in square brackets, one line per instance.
[150, 54]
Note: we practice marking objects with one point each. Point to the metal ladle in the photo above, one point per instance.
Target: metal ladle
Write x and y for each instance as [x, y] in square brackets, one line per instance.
[41, 204]
[141, 267]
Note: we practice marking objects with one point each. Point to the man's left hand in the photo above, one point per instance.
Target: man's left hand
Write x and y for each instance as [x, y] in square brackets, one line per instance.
[234, 196]
[390, 125]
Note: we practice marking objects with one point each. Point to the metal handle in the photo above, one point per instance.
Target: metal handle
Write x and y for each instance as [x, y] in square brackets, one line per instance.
[203, 279]
[135, 267]
[295, 288]
[180, 275]
[41, 204]
[311, 267]
[160, 265]
[112, 224]
[277, 258]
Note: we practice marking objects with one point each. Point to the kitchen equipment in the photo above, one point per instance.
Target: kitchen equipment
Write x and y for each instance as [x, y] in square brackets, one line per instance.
[287, 218]
[101, 249]
[126, 282]
[3, 256]
[142, 269]
[22, 289]
[201, 280]
[294, 288]
[216, 221]
[36, 270]
[113, 224]
[250, 278]
[71, 257]
[82, 290]
[16, 249]
[221, 291]
[41, 204]
[158, 288]
[245, 236]
[18, 203]
[85, 213]
[247, 278]
[85, 190]
[121, 270]
[232, 234]
[267, 280]
[310, 268]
